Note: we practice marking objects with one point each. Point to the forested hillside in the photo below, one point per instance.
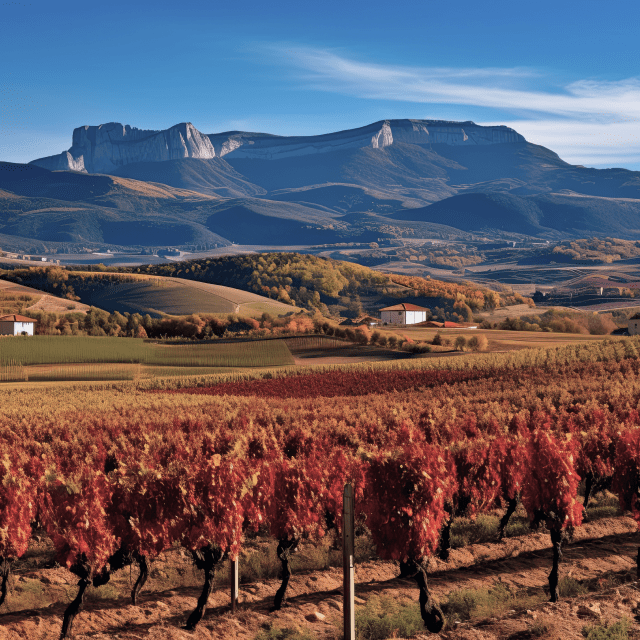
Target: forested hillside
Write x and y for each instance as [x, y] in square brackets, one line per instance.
[331, 286]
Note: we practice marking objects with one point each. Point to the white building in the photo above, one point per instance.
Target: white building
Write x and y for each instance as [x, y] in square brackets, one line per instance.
[403, 313]
[15, 325]
[634, 325]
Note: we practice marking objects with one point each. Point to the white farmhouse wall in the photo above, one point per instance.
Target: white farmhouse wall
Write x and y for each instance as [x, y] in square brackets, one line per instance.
[413, 317]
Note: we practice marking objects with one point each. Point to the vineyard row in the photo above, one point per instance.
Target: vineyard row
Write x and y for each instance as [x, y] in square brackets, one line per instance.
[118, 485]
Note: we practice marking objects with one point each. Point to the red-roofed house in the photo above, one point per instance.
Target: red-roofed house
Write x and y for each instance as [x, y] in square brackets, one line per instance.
[403, 313]
[15, 325]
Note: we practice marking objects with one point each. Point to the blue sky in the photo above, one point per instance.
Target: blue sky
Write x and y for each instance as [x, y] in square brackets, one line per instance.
[564, 74]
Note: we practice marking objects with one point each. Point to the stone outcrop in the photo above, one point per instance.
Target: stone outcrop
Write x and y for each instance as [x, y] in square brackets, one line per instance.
[105, 148]
[377, 135]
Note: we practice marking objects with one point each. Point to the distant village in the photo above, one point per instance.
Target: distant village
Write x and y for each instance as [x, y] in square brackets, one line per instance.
[22, 256]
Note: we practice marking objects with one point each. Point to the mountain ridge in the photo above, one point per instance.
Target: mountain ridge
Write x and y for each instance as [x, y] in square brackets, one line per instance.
[388, 179]
[107, 147]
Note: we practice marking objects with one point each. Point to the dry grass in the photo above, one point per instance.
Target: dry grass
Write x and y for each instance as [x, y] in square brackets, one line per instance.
[385, 617]
[498, 340]
[468, 604]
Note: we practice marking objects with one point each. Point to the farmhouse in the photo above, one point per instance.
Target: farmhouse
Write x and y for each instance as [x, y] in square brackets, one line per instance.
[403, 313]
[634, 325]
[15, 325]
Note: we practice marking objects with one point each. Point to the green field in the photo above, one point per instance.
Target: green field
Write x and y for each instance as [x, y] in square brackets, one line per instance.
[70, 372]
[16, 352]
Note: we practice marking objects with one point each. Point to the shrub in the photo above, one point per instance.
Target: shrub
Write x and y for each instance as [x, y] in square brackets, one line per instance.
[270, 632]
[384, 617]
[570, 587]
[363, 334]
[460, 343]
[465, 604]
[539, 629]
[617, 631]
[465, 531]
[478, 343]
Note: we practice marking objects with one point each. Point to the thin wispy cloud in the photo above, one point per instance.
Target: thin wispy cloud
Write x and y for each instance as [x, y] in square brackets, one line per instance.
[578, 120]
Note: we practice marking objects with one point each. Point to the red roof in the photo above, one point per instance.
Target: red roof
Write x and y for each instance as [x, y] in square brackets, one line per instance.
[404, 306]
[16, 318]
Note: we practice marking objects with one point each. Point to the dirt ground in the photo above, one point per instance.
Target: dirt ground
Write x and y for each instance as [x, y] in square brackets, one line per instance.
[602, 556]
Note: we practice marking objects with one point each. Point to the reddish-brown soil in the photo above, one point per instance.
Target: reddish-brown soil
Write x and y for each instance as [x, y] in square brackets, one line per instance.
[602, 556]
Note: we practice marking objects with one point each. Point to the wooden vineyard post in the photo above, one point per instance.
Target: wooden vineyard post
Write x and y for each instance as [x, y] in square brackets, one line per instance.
[348, 564]
[235, 585]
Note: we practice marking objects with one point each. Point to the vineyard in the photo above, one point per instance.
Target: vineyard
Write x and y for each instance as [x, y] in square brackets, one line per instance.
[118, 477]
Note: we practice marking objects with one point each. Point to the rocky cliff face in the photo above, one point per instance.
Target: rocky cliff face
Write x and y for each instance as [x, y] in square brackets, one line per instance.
[377, 135]
[105, 148]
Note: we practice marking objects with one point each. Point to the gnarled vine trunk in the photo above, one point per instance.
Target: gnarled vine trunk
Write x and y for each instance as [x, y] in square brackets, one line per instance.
[445, 540]
[430, 611]
[206, 559]
[454, 510]
[556, 541]
[143, 565]
[284, 551]
[587, 492]
[504, 521]
[119, 560]
[5, 572]
[83, 571]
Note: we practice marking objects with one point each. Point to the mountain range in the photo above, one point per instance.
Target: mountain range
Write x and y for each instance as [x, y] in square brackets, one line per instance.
[119, 186]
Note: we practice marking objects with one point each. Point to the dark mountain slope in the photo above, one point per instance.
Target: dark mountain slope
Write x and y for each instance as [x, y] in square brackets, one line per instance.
[397, 169]
[341, 198]
[80, 208]
[211, 176]
[547, 215]
[539, 168]
[478, 211]
[243, 225]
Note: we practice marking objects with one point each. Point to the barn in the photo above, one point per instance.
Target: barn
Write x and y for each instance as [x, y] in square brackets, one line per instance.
[404, 313]
[15, 325]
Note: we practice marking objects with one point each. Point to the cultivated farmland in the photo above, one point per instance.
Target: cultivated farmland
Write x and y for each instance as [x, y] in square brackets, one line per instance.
[500, 435]
[39, 350]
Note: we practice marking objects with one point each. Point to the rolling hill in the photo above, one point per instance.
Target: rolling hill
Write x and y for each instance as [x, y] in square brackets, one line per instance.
[155, 295]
